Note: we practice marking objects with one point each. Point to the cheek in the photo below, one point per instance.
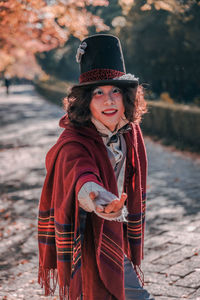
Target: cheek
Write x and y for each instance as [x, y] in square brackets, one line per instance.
[121, 108]
[94, 108]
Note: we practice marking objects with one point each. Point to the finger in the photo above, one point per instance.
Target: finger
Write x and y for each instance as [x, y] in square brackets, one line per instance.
[119, 204]
[123, 197]
[109, 208]
[93, 195]
[99, 208]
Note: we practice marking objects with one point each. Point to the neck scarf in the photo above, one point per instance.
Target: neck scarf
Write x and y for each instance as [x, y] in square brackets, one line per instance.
[105, 131]
[115, 137]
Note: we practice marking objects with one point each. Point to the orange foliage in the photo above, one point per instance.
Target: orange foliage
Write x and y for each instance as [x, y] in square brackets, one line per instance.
[173, 6]
[126, 5]
[30, 26]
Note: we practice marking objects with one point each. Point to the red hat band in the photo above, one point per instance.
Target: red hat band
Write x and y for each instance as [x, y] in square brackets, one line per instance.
[99, 74]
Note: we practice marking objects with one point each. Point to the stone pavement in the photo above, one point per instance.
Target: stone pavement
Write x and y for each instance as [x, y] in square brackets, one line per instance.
[29, 126]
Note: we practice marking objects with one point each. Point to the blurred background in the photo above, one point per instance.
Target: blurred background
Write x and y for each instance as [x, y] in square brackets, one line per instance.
[160, 40]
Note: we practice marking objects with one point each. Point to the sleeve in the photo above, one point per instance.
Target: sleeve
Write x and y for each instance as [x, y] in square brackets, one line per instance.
[72, 166]
[77, 166]
[103, 198]
[84, 199]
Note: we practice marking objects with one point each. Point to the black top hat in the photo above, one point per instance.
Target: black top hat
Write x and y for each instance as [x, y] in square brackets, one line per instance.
[102, 62]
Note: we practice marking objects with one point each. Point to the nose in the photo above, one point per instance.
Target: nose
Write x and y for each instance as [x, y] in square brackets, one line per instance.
[109, 99]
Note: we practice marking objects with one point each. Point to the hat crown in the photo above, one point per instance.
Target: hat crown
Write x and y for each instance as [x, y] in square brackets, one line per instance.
[102, 62]
[102, 51]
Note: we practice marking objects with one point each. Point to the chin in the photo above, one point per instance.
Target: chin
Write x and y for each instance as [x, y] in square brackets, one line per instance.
[111, 127]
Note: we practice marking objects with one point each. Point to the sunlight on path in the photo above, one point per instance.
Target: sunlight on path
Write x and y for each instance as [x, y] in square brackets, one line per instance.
[29, 127]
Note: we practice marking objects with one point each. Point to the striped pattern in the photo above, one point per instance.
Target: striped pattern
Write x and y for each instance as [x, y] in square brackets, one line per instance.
[76, 255]
[46, 227]
[134, 227]
[68, 247]
[111, 253]
[64, 241]
[136, 223]
[143, 207]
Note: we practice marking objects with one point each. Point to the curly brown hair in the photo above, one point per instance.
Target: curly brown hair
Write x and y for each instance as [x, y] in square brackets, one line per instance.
[78, 101]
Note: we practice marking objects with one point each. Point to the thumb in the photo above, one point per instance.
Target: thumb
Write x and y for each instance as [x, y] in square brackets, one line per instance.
[99, 208]
[123, 197]
[93, 195]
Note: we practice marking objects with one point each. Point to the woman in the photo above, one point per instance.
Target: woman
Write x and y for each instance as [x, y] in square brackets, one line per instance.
[91, 214]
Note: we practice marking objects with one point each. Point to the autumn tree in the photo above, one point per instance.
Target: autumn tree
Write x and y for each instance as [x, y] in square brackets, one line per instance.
[162, 45]
[173, 6]
[60, 62]
[31, 26]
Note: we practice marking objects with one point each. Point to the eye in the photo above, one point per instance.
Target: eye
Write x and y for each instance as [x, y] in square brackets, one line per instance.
[97, 91]
[116, 90]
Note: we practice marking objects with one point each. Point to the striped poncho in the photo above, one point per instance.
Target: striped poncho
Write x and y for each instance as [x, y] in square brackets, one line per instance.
[94, 269]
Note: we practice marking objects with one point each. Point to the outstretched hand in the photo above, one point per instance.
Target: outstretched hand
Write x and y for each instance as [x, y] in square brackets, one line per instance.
[113, 206]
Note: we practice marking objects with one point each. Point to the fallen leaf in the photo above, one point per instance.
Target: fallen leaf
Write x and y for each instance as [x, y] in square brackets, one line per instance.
[31, 281]
[24, 261]
[7, 215]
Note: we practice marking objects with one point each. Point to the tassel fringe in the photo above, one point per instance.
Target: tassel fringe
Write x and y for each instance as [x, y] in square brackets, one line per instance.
[48, 279]
[64, 293]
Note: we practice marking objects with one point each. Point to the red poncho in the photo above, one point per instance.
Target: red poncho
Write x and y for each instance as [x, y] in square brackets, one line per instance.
[96, 268]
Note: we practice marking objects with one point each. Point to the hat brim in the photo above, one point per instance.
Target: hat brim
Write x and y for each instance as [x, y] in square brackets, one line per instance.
[115, 82]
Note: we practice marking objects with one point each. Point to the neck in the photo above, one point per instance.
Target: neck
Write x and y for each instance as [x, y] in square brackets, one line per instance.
[108, 131]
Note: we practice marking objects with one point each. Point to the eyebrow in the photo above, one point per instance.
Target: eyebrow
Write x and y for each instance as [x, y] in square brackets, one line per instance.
[98, 88]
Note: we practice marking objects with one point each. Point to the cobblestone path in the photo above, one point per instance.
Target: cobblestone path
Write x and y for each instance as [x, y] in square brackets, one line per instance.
[28, 127]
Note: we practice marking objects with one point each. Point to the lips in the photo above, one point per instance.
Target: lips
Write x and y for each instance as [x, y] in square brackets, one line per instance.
[109, 112]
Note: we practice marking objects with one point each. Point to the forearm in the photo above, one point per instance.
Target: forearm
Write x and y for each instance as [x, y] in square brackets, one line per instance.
[103, 198]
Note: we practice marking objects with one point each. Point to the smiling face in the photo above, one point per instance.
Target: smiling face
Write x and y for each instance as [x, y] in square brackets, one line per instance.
[107, 105]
